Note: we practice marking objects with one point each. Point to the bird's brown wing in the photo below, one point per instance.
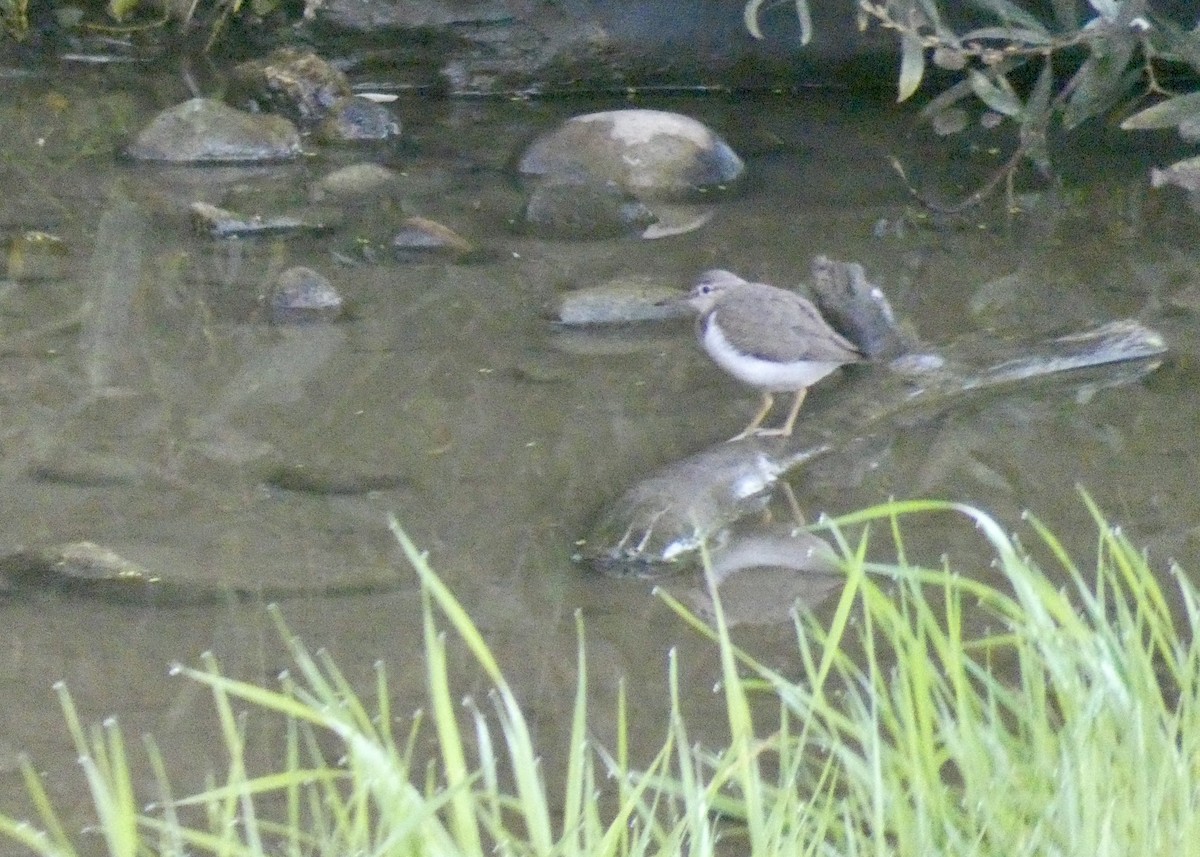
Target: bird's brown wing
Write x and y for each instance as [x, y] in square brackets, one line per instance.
[782, 326]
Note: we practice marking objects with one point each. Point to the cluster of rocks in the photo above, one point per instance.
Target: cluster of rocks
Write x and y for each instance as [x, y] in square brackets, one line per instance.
[621, 173]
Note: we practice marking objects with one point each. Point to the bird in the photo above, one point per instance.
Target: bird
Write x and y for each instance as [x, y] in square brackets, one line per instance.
[770, 338]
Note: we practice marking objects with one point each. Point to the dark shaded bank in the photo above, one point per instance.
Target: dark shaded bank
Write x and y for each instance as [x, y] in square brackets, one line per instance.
[542, 47]
[491, 46]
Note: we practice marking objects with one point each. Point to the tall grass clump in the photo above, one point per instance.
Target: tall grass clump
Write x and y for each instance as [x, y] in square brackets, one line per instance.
[929, 714]
[1067, 724]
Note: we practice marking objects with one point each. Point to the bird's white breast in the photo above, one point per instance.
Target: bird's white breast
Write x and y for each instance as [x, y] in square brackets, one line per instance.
[764, 374]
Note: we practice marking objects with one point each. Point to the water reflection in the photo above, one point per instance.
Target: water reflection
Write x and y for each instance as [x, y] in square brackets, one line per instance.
[150, 421]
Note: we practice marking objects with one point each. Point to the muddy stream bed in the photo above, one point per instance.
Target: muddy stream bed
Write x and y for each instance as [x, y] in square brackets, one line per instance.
[447, 399]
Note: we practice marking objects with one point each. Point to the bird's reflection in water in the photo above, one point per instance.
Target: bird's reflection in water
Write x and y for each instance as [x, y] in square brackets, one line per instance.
[762, 575]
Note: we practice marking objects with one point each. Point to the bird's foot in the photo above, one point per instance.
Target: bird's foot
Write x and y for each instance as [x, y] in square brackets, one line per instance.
[773, 432]
[760, 432]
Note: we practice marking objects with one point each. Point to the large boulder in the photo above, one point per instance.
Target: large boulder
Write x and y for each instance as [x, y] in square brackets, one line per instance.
[651, 154]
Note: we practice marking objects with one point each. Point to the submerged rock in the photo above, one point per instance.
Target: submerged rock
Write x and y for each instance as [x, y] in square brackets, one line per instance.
[219, 222]
[358, 183]
[652, 154]
[297, 84]
[420, 238]
[558, 210]
[357, 120]
[88, 570]
[75, 567]
[205, 131]
[301, 295]
[619, 301]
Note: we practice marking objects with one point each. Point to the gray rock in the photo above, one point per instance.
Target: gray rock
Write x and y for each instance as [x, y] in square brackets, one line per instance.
[652, 154]
[302, 295]
[353, 119]
[75, 565]
[420, 238]
[297, 84]
[559, 210]
[219, 222]
[205, 131]
[621, 300]
[358, 183]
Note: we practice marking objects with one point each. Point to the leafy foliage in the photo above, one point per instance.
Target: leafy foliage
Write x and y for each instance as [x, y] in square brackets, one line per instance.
[1040, 74]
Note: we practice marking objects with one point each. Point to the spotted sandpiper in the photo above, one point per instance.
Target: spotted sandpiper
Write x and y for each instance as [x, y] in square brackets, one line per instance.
[767, 337]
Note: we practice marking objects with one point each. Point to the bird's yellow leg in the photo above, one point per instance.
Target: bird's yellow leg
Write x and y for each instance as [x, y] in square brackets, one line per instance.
[767, 403]
[785, 430]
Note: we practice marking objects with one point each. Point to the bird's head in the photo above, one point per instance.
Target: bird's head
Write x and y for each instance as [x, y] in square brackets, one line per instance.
[709, 286]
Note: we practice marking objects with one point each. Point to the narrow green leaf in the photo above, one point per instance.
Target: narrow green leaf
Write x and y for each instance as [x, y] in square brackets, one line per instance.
[1165, 114]
[54, 839]
[574, 800]
[1078, 112]
[997, 95]
[1011, 13]
[804, 16]
[750, 17]
[912, 65]
[751, 10]
[1037, 108]
[1009, 35]
[516, 733]
[1103, 79]
[445, 721]
[35, 840]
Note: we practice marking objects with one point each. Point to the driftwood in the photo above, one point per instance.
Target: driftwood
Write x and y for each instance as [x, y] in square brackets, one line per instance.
[659, 524]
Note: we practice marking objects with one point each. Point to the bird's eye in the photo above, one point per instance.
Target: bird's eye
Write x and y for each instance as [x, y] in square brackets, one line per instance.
[706, 290]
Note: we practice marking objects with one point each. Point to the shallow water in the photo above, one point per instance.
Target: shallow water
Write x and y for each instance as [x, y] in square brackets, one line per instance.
[506, 436]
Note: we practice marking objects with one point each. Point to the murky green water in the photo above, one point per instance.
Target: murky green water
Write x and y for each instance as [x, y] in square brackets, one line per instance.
[506, 436]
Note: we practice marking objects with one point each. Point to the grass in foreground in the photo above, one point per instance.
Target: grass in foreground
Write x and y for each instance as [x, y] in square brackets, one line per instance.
[1086, 742]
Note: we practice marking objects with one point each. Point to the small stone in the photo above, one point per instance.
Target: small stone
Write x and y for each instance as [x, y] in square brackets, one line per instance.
[205, 131]
[357, 120]
[358, 182]
[420, 238]
[219, 222]
[676, 218]
[302, 295]
[72, 567]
